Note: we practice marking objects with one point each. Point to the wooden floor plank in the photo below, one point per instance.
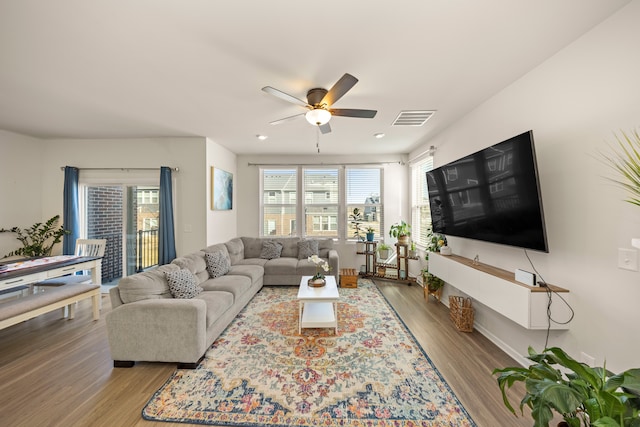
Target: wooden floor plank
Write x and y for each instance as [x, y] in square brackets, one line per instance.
[58, 372]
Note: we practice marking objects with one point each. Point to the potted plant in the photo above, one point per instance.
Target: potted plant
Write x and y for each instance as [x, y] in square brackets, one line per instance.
[582, 395]
[383, 250]
[432, 285]
[435, 242]
[431, 281]
[355, 218]
[413, 250]
[400, 231]
[370, 234]
[37, 240]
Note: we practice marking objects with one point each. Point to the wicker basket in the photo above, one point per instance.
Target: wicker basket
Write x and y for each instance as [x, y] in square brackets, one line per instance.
[461, 313]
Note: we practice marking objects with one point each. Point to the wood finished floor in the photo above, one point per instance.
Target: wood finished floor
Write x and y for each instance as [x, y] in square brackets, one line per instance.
[56, 372]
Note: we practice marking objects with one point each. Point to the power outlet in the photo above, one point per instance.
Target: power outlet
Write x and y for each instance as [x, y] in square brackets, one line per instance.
[628, 259]
[589, 360]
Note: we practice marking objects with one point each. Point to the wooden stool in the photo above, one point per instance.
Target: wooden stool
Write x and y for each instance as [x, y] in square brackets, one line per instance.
[348, 278]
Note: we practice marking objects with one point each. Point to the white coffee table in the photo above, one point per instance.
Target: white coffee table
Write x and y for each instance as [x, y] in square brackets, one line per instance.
[318, 305]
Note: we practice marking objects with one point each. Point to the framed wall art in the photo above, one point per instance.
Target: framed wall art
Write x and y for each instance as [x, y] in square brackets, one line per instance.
[221, 189]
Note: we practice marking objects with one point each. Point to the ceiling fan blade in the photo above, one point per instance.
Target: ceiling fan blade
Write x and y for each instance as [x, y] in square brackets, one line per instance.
[285, 96]
[325, 128]
[352, 112]
[286, 119]
[341, 87]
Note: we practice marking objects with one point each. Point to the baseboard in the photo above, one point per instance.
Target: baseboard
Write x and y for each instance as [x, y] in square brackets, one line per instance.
[510, 351]
[523, 361]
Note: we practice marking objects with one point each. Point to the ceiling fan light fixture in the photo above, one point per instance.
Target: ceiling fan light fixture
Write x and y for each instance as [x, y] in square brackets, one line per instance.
[318, 116]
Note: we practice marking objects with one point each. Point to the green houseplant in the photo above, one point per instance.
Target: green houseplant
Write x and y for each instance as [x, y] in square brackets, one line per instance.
[383, 250]
[431, 281]
[370, 234]
[626, 162]
[355, 218]
[400, 231]
[582, 395]
[39, 239]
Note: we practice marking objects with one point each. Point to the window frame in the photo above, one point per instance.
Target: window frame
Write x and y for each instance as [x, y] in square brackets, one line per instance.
[420, 209]
[338, 230]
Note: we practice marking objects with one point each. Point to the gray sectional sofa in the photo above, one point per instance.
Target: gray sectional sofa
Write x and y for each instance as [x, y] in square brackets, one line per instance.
[174, 313]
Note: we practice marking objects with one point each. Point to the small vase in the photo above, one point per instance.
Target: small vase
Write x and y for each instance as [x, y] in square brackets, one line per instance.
[370, 237]
[445, 250]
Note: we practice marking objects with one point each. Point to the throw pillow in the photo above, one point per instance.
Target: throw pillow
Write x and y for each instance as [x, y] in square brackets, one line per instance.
[271, 249]
[307, 248]
[217, 264]
[183, 284]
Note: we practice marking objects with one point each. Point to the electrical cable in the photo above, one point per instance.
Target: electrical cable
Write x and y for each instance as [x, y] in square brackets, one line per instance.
[550, 293]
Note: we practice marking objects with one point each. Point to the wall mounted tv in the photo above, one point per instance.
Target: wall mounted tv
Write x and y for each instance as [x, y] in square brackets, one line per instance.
[492, 195]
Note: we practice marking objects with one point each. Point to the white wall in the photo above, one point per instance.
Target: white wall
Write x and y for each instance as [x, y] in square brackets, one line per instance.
[20, 186]
[573, 102]
[221, 225]
[189, 183]
[395, 192]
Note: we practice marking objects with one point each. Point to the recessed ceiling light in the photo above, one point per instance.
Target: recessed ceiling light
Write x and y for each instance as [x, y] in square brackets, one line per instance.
[262, 137]
[379, 135]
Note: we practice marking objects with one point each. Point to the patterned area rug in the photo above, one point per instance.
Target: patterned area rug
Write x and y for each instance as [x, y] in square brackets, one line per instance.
[261, 372]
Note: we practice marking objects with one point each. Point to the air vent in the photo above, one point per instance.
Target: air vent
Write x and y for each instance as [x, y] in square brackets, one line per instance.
[412, 118]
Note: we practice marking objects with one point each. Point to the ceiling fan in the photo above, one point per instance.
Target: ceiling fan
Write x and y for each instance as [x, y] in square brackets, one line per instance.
[319, 102]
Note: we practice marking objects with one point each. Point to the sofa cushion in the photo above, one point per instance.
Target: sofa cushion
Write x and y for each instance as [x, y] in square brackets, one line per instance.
[218, 247]
[271, 249]
[218, 264]
[253, 272]
[281, 266]
[183, 284]
[324, 246]
[195, 263]
[235, 247]
[235, 285]
[252, 246]
[306, 248]
[253, 261]
[150, 284]
[289, 246]
[218, 302]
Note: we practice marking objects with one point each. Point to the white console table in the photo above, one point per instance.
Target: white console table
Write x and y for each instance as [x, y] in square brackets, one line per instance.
[497, 289]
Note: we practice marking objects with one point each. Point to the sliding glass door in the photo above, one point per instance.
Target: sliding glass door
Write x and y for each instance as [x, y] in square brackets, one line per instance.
[127, 217]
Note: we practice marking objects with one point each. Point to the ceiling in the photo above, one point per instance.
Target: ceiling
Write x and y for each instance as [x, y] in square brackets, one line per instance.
[161, 68]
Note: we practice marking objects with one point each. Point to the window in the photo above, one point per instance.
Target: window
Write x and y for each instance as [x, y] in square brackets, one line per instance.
[279, 189]
[330, 194]
[321, 202]
[363, 192]
[420, 211]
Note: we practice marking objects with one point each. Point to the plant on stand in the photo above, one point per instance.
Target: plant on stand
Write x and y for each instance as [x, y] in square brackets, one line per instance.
[413, 250]
[37, 240]
[400, 231]
[432, 284]
[383, 251]
[355, 219]
[370, 234]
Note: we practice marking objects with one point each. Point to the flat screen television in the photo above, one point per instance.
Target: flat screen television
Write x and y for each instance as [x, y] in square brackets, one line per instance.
[492, 195]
